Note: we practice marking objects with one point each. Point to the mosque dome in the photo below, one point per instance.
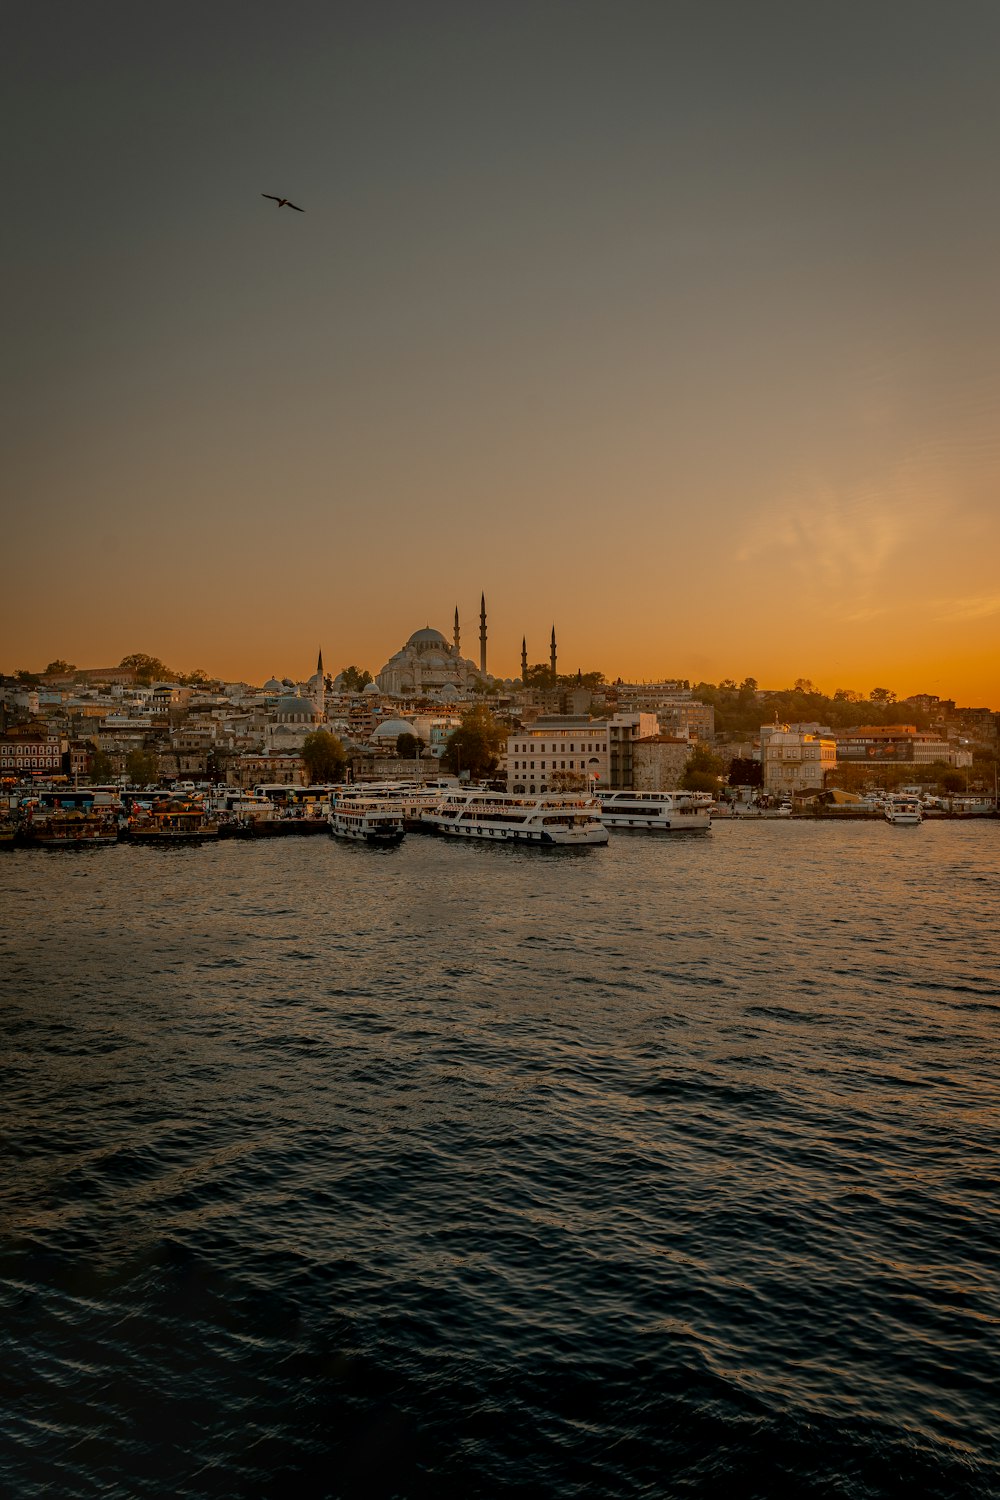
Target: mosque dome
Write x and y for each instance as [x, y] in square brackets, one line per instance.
[371, 688]
[274, 686]
[427, 637]
[391, 729]
[293, 707]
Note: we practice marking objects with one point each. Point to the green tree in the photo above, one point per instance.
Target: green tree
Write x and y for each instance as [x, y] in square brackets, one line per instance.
[30, 679]
[142, 767]
[101, 765]
[952, 782]
[408, 745]
[353, 679]
[59, 666]
[702, 772]
[882, 695]
[476, 745]
[324, 756]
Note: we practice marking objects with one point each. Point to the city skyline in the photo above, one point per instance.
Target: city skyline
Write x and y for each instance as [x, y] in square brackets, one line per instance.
[677, 327]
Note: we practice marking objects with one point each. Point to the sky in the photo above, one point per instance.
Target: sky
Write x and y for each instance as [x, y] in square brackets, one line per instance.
[676, 325]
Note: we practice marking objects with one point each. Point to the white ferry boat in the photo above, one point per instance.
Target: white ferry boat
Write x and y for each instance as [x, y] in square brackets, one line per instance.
[547, 819]
[903, 810]
[657, 812]
[366, 822]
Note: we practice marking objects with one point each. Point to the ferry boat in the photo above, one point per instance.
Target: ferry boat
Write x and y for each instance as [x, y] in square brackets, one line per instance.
[172, 821]
[657, 812]
[367, 822]
[70, 819]
[550, 818]
[903, 811]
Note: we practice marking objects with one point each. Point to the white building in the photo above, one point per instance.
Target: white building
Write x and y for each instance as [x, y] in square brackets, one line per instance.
[551, 754]
[795, 759]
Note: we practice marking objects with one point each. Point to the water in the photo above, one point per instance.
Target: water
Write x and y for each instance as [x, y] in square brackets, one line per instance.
[664, 1169]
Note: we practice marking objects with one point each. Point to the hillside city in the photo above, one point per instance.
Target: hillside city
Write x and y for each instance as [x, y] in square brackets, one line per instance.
[431, 710]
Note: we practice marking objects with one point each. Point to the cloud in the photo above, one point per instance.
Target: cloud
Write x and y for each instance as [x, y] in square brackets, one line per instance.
[974, 607]
[842, 541]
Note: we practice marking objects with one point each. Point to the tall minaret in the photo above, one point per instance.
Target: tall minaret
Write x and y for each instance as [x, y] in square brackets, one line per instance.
[482, 636]
[552, 657]
[524, 661]
[458, 634]
[320, 699]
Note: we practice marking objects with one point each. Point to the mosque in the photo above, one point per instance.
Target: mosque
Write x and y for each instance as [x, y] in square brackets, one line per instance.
[429, 666]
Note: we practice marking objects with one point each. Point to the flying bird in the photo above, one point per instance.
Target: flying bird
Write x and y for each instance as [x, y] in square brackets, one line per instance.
[283, 202]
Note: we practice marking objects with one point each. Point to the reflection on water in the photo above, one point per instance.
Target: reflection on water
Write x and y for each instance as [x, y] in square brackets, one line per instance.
[668, 1168]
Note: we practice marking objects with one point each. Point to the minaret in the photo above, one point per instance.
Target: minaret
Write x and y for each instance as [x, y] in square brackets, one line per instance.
[320, 698]
[458, 634]
[552, 657]
[524, 661]
[482, 636]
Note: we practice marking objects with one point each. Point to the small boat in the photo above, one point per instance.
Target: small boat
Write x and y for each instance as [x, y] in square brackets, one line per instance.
[903, 811]
[70, 819]
[367, 822]
[172, 821]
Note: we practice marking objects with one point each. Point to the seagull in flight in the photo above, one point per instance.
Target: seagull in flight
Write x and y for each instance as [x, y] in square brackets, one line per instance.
[283, 202]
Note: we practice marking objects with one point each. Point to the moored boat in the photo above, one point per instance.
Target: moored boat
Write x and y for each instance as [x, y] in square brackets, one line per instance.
[367, 822]
[656, 812]
[903, 811]
[70, 819]
[172, 821]
[546, 819]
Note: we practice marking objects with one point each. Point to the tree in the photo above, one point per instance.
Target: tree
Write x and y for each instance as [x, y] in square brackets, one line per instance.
[146, 668]
[353, 679]
[702, 772]
[805, 685]
[59, 666]
[408, 746]
[476, 745]
[882, 695]
[142, 767]
[745, 772]
[568, 781]
[952, 782]
[30, 679]
[101, 766]
[324, 756]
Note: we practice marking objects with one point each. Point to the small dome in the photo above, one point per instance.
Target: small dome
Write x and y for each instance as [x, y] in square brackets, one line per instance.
[371, 688]
[391, 729]
[274, 686]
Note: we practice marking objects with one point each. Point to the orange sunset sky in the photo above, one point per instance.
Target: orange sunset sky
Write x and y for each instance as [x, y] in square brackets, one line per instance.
[676, 325]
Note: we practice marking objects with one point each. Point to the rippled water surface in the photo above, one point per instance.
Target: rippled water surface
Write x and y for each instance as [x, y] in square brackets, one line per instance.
[664, 1169]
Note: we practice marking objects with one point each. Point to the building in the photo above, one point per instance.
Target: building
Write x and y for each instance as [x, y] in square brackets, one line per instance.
[30, 754]
[897, 744]
[624, 731]
[566, 750]
[795, 758]
[540, 755]
[658, 762]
